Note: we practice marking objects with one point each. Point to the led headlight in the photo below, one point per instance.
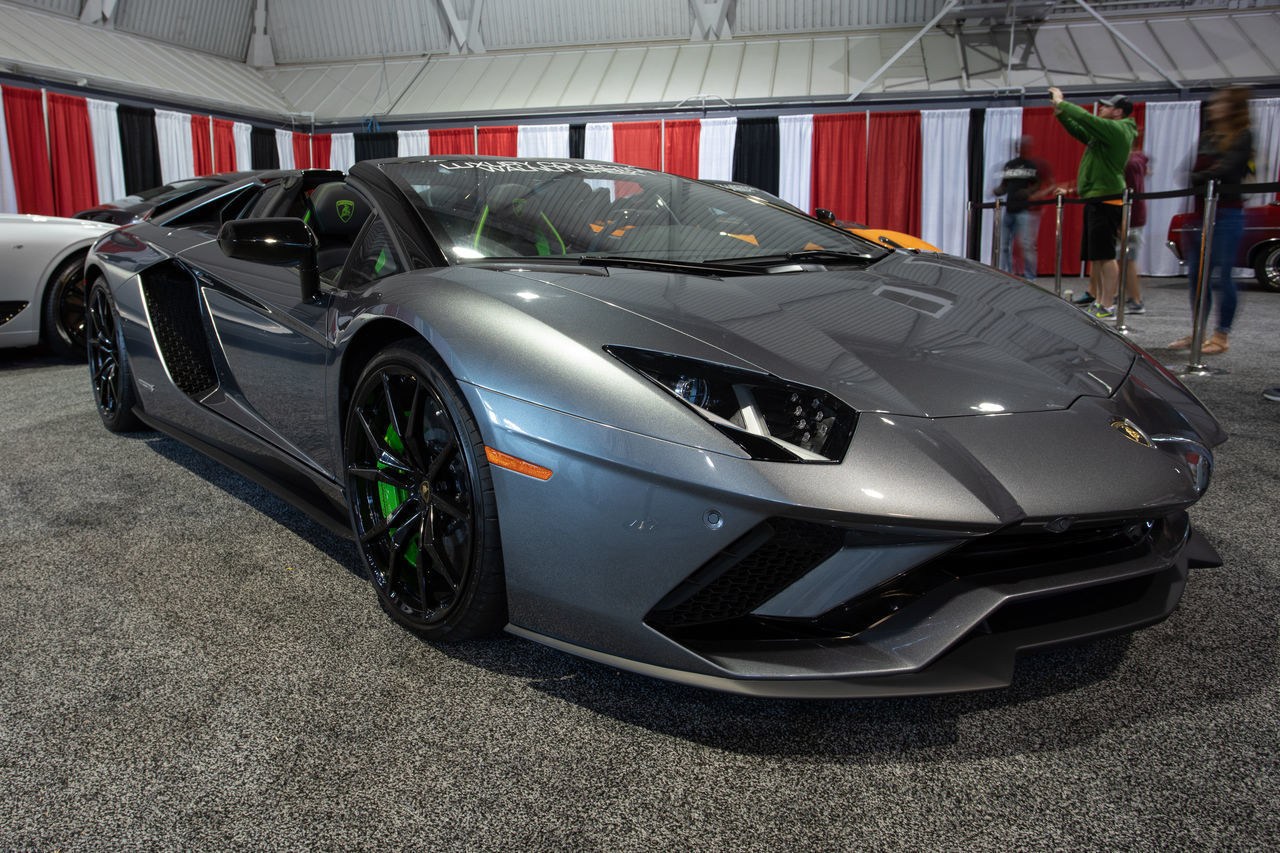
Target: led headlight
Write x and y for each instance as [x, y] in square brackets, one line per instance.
[771, 419]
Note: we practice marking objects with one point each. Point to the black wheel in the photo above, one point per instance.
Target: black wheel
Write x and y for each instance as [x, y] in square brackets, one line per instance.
[422, 504]
[62, 313]
[109, 372]
[1267, 267]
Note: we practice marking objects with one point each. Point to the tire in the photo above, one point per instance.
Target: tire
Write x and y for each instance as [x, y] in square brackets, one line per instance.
[109, 372]
[421, 495]
[62, 313]
[1267, 267]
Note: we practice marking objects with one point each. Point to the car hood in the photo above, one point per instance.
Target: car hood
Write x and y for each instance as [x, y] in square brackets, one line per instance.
[921, 335]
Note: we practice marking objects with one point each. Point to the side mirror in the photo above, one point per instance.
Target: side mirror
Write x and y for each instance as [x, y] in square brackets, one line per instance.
[280, 241]
[824, 215]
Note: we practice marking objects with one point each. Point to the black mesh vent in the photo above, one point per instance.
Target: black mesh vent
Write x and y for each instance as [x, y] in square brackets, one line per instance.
[748, 573]
[173, 304]
[9, 310]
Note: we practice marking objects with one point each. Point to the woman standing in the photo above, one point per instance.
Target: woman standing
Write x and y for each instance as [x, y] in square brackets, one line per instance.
[1225, 155]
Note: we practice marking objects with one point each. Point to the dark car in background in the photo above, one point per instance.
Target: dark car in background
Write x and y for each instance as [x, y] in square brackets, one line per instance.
[158, 200]
[1259, 248]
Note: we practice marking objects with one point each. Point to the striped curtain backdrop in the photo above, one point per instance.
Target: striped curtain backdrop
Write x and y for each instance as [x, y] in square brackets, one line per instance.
[909, 171]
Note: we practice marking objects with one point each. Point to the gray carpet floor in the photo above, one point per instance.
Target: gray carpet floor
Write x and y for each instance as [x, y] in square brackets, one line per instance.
[188, 663]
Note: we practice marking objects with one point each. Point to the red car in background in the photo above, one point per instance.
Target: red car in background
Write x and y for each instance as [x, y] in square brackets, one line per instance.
[1259, 249]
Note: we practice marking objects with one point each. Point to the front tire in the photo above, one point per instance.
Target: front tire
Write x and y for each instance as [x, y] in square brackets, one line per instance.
[421, 493]
[62, 313]
[1267, 267]
[109, 371]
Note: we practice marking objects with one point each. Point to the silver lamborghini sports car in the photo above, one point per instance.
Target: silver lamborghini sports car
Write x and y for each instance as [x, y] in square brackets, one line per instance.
[659, 424]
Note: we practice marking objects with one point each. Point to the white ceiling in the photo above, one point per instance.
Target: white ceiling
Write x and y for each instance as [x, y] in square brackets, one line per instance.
[434, 59]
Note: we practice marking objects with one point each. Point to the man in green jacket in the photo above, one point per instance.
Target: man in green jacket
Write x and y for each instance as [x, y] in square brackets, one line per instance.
[1108, 137]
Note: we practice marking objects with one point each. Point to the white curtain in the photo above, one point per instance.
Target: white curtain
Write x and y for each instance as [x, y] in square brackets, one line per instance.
[599, 141]
[284, 148]
[795, 160]
[1266, 144]
[413, 143]
[1000, 135]
[242, 134]
[598, 145]
[543, 140]
[342, 151]
[1170, 139]
[173, 138]
[715, 148]
[108, 161]
[944, 179]
[8, 192]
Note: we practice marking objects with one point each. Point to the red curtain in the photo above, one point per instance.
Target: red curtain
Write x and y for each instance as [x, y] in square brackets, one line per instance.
[453, 140]
[224, 147]
[681, 147]
[321, 146]
[32, 178]
[498, 141]
[638, 143]
[75, 186]
[301, 150]
[201, 145]
[893, 171]
[839, 181]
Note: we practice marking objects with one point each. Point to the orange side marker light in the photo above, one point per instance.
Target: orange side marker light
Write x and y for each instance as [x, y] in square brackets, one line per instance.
[512, 463]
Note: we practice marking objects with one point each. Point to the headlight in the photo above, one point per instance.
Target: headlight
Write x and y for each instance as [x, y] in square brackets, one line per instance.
[771, 419]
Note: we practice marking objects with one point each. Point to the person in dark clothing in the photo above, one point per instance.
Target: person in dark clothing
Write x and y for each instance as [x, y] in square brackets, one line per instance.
[1225, 154]
[1135, 178]
[1024, 179]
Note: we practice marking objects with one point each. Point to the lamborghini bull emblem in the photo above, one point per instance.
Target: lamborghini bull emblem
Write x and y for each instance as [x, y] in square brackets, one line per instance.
[1131, 431]
[345, 209]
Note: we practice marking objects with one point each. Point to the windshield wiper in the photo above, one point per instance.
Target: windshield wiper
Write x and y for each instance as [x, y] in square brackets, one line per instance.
[817, 256]
[657, 265]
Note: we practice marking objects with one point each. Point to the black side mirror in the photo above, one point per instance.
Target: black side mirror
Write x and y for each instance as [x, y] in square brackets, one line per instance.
[824, 215]
[280, 241]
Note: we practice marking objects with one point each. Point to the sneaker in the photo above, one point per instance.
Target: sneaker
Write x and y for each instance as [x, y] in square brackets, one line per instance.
[1272, 394]
[1133, 307]
[1101, 312]
[1085, 299]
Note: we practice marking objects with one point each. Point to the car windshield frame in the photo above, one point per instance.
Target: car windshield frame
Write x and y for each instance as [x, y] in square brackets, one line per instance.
[484, 210]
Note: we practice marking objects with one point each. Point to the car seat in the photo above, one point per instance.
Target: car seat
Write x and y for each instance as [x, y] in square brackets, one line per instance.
[336, 213]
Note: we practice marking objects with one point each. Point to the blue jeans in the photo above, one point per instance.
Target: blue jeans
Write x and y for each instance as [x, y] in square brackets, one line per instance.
[1228, 229]
[1024, 225]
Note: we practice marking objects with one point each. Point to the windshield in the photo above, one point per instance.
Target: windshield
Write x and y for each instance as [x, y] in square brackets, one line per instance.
[496, 209]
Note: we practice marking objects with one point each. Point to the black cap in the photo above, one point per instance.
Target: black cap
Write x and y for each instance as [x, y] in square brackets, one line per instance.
[1121, 101]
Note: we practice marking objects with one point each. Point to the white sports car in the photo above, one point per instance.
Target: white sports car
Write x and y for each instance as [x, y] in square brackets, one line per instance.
[42, 280]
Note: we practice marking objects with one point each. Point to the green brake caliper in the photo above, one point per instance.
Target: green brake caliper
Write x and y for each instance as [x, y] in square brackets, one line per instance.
[390, 497]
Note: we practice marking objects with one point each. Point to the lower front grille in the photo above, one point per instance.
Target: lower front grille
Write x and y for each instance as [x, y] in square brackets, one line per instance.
[9, 310]
[712, 609]
[752, 570]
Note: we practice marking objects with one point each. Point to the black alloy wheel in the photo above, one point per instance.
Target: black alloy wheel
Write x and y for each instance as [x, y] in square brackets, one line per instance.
[421, 494]
[109, 372]
[1267, 268]
[62, 315]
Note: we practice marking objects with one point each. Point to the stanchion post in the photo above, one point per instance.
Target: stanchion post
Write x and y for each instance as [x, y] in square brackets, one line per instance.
[1202, 280]
[1057, 252]
[1123, 260]
[995, 234]
[969, 242]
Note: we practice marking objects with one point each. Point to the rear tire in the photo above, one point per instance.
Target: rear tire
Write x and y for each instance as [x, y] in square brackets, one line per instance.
[62, 313]
[421, 494]
[109, 372]
[1267, 267]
